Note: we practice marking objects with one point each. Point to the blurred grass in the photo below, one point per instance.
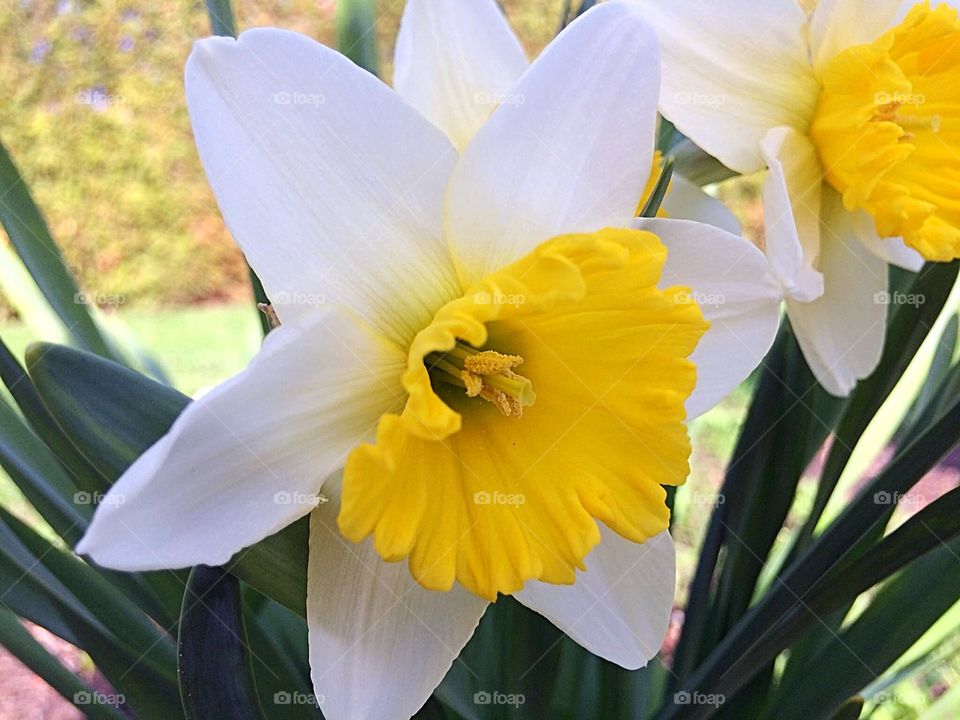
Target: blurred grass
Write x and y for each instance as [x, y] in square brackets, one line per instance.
[94, 115]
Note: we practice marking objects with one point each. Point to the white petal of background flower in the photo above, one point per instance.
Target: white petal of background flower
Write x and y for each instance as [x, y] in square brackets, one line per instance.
[330, 183]
[455, 62]
[842, 333]
[620, 607]
[249, 457]
[733, 69]
[892, 250]
[573, 154]
[379, 642]
[792, 199]
[731, 282]
[687, 201]
[838, 24]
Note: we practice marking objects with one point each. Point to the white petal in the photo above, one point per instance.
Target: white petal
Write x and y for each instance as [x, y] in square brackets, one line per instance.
[379, 642]
[892, 250]
[842, 333]
[620, 607]
[687, 201]
[733, 69]
[330, 183]
[839, 24]
[455, 62]
[731, 282]
[249, 457]
[792, 198]
[573, 156]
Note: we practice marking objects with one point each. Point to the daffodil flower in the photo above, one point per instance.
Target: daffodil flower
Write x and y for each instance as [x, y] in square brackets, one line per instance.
[481, 355]
[457, 61]
[854, 109]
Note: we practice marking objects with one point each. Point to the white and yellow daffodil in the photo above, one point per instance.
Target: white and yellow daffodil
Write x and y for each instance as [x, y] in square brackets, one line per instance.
[482, 354]
[855, 109]
[457, 61]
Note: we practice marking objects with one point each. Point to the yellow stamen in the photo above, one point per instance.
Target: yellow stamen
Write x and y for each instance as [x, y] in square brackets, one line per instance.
[486, 374]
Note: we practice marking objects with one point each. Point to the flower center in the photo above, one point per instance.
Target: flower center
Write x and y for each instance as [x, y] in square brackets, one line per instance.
[887, 128]
[486, 374]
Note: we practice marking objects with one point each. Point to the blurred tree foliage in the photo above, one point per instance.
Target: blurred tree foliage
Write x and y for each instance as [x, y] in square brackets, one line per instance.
[94, 116]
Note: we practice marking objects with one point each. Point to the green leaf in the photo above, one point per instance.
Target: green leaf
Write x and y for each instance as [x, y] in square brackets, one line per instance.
[21, 388]
[99, 596]
[788, 420]
[221, 18]
[908, 328]
[33, 592]
[652, 206]
[356, 33]
[40, 477]
[277, 566]
[216, 679]
[899, 615]
[279, 657]
[15, 638]
[850, 710]
[30, 237]
[780, 615]
[113, 414]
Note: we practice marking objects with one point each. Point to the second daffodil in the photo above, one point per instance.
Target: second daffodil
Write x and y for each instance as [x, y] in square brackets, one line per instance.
[484, 368]
[855, 109]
